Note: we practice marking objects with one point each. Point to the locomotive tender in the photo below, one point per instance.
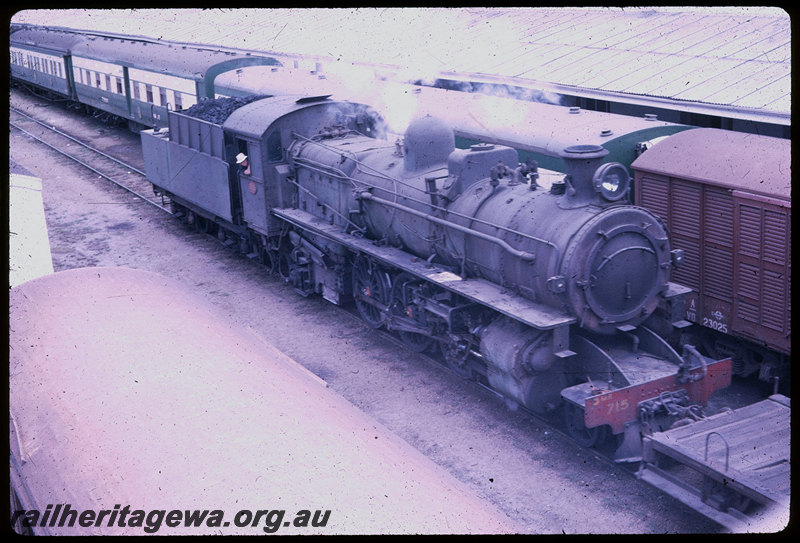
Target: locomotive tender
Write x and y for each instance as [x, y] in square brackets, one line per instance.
[546, 296]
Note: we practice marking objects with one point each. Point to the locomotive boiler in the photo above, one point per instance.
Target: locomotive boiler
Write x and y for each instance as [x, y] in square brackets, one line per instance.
[546, 295]
[566, 248]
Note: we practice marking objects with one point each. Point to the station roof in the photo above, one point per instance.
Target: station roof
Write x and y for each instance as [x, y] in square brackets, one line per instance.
[731, 62]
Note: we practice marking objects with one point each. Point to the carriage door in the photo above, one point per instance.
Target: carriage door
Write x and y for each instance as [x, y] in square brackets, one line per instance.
[251, 185]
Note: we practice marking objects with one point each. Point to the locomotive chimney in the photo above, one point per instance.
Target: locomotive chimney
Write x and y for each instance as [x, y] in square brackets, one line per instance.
[581, 162]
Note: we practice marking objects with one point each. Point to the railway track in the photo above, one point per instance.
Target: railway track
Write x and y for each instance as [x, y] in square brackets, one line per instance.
[114, 170]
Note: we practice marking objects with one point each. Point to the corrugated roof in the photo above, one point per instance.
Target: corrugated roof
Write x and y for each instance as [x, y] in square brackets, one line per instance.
[732, 59]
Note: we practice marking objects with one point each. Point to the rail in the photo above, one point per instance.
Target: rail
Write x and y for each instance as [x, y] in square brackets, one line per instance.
[82, 161]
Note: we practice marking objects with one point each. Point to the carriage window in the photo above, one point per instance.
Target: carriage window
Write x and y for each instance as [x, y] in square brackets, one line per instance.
[108, 82]
[136, 94]
[148, 89]
[162, 93]
[178, 101]
[119, 85]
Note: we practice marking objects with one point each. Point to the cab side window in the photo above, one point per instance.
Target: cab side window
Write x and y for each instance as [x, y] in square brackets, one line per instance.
[274, 148]
[253, 152]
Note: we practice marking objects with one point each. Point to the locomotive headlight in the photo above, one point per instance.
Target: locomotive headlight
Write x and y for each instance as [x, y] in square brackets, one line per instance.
[611, 181]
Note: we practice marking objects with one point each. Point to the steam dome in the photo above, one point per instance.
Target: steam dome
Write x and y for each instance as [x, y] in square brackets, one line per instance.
[428, 141]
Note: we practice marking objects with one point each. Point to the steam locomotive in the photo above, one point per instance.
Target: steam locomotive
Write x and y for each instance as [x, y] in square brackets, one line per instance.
[552, 297]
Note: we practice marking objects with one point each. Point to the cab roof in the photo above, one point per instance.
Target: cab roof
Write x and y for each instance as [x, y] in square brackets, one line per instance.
[254, 119]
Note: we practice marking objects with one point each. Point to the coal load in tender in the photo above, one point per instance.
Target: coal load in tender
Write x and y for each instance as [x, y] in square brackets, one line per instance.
[218, 110]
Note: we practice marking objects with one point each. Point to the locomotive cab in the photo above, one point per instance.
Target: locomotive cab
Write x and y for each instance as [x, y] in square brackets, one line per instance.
[265, 130]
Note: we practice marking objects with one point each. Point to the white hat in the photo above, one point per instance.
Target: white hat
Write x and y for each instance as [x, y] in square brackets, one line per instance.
[241, 157]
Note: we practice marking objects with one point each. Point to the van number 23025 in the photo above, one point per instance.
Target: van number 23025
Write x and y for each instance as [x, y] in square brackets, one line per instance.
[715, 325]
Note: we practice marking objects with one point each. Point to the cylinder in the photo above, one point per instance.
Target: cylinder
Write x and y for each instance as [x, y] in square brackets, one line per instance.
[520, 364]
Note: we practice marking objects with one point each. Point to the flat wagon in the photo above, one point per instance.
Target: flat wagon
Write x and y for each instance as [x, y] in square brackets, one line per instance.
[733, 467]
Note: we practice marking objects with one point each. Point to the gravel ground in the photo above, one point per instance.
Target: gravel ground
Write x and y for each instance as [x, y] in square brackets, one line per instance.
[508, 458]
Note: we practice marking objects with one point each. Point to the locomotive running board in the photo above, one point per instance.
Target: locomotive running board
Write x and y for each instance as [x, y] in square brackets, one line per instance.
[477, 290]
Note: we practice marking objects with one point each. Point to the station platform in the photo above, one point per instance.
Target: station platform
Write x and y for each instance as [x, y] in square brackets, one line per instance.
[29, 254]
